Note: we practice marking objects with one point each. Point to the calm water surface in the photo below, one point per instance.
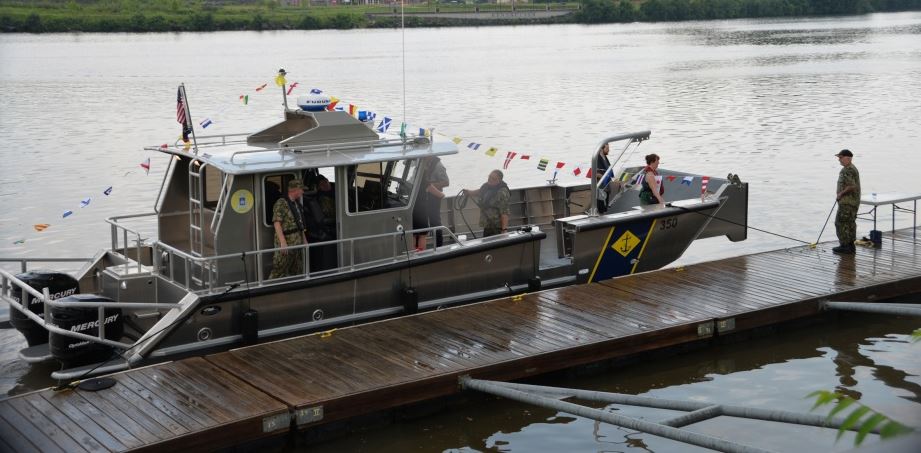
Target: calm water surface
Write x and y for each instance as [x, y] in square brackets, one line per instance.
[770, 100]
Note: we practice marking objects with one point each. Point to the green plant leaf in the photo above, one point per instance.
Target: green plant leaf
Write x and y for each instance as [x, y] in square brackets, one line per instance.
[822, 397]
[851, 420]
[868, 426]
[892, 429]
[844, 403]
[916, 336]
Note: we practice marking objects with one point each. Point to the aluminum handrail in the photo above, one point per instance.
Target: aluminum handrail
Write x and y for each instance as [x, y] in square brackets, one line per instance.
[9, 281]
[208, 261]
[412, 140]
[167, 175]
[223, 141]
[222, 200]
[633, 137]
[113, 221]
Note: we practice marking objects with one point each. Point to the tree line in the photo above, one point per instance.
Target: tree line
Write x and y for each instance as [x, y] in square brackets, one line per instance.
[197, 15]
[604, 11]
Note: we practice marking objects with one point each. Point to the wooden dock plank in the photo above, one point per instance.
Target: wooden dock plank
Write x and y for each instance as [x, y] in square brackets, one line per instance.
[63, 422]
[61, 439]
[62, 402]
[168, 409]
[15, 440]
[47, 427]
[220, 400]
[43, 441]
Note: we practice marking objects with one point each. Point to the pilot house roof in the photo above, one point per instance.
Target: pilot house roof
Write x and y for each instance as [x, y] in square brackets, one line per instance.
[306, 140]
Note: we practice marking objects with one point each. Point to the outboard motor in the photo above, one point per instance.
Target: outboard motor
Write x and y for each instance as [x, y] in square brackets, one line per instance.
[74, 351]
[59, 285]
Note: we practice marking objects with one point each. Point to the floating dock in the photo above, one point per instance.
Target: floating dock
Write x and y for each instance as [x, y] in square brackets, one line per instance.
[270, 389]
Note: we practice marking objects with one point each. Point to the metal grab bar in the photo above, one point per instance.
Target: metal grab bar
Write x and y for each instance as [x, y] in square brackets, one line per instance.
[8, 282]
[113, 221]
[634, 137]
[330, 148]
[209, 261]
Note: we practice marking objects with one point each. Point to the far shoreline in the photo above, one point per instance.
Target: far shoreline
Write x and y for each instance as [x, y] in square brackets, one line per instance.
[132, 16]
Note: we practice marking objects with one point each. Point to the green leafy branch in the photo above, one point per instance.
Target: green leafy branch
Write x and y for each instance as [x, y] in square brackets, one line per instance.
[861, 417]
[916, 336]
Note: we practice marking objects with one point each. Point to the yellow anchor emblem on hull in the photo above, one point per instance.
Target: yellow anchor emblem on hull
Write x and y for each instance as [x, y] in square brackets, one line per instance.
[625, 243]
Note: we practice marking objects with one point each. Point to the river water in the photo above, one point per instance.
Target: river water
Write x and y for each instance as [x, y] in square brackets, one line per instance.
[770, 100]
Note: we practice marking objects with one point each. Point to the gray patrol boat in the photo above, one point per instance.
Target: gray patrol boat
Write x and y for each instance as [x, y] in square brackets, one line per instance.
[203, 283]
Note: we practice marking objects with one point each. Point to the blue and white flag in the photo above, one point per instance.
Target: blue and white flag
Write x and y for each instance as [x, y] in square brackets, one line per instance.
[84, 203]
[687, 180]
[205, 123]
[385, 124]
[67, 213]
[473, 146]
[108, 191]
[316, 91]
[366, 115]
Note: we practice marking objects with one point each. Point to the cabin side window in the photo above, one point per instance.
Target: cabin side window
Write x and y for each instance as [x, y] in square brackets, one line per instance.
[213, 179]
[272, 191]
[381, 185]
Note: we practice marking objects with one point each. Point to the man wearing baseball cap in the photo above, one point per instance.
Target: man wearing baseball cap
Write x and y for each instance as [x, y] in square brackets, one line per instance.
[848, 197]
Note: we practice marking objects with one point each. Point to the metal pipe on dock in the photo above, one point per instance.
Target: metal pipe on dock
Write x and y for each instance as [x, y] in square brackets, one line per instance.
[657, 429]
[681, 405]
[870, 307]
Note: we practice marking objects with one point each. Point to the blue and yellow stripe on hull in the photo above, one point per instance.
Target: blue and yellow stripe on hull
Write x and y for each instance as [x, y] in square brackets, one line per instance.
[622, 249]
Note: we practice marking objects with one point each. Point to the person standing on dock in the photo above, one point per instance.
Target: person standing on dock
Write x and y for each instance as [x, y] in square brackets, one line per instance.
[288, 219]
[493, 196]
[652, 189]
[848, 197]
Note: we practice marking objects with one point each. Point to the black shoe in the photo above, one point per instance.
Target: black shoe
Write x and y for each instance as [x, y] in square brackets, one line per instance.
[844, 250]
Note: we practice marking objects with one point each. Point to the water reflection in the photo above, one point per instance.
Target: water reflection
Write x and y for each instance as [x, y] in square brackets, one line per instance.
[866, 356]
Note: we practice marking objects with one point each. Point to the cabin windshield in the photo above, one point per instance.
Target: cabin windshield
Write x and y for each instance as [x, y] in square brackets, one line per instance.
[381, 185]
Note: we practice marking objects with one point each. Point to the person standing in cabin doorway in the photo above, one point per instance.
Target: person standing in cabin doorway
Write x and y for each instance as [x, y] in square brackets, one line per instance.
[288, 220]
[494, 196]
[848, 196]
[652, 190]
[427, 213]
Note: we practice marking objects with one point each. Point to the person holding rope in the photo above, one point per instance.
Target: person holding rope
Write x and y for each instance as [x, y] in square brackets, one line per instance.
[652, 190]
[493, 201]
[288, 220]
[848, 196]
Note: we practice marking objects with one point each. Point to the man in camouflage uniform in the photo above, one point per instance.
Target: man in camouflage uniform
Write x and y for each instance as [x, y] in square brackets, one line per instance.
[493, 196]
[848, 197]
[288, 220]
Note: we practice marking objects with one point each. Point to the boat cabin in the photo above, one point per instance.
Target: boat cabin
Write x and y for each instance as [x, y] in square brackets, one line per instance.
[359, 191]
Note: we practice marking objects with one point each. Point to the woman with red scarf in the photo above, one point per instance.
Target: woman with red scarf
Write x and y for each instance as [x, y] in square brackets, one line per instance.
[652, 190]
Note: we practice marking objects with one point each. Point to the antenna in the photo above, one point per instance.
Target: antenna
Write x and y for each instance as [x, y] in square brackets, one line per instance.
[403, 44]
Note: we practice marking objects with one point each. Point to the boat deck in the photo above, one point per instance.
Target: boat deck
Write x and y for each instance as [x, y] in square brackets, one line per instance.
[265, 390]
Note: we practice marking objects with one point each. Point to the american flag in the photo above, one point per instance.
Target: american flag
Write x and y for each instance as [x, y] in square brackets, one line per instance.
[180, 116]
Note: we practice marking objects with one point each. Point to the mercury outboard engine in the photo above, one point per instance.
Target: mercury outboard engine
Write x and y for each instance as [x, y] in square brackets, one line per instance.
[59, 285]
[74, 351]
